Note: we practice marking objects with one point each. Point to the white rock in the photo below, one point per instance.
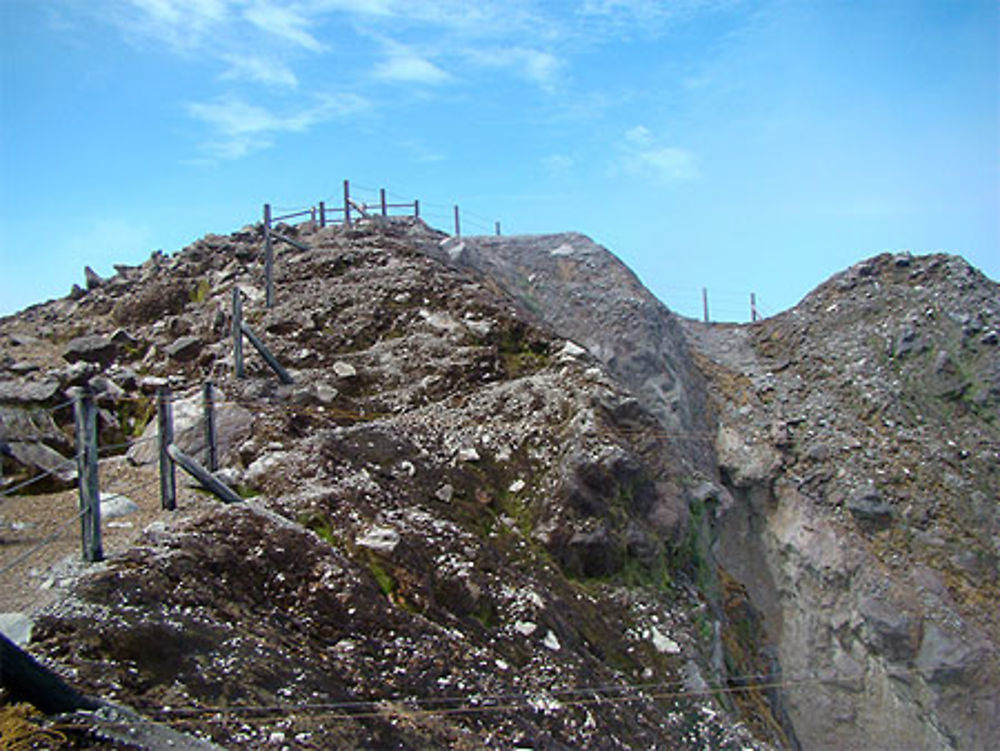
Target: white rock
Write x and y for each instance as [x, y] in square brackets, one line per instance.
[468, 454]
[16, 627]
[663, 644]
[263, 466]
[525, 628]
[571, 351]
[115, 505]
[344, 369]
[445, 493]
[379, 539]
[552, 642]
[326, 393]
[516, 487]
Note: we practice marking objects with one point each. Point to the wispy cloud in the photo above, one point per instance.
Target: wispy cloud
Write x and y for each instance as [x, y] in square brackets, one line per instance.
[181, 24]
[641, 154]
[558, 164]
[259, 70]
[240, 128]
[541, 68]
[283, 22]
[403, 65]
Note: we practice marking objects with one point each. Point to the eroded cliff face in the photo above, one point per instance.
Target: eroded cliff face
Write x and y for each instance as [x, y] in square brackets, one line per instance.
[859, 436]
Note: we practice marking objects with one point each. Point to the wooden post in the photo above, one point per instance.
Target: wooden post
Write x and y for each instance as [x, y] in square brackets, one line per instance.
[268, 257]
[704, 301]
[381, 196]
[416, 208]
[497, 226]
[202, 475]
[237, 332]
[211, 450]
[753, 307]
[267, 355]
[165, 423]
[85, 415]
[312, 214]
[458, 229]
[322, 213]
[347, 203]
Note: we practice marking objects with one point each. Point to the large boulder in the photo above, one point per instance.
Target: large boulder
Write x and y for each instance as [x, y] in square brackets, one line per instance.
[93, 348]
[233, 424]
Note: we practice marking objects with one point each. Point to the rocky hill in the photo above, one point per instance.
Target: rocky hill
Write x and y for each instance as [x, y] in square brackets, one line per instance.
[510, 500]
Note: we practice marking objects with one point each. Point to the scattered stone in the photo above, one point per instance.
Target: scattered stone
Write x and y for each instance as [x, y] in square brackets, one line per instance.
[17, 627]
[28, 392]
[115, 506]
[868, 506]
[468, 454]
[325, 393]
[662, 643]
[551, 641]
[185, 349]
[379, 539]
[445, 493]
[516, 487]
[525, 628]
[344, 370]
[95, 348]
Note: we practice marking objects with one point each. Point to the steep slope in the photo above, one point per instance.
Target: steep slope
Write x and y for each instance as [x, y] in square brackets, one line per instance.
[467, 534]
[859, 434]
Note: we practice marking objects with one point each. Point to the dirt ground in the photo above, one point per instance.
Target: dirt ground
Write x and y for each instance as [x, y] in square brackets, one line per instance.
[28, 521]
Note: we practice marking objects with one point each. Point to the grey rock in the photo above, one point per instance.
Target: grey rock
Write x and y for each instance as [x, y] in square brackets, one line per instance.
[28, 392]
[185, 349]
[94, 348]
[868, 506]
[42, 459]
[17, 627]
[232, 425]
[944, 657]
[94, 280]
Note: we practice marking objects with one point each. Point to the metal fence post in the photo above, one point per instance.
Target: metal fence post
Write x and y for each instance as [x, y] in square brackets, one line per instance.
[753, 307]
[347, 203]
[237, 332]
[381, 196]
[416, 208]
[322, 213]
[208, 401]
[497, 227]
[268, 257]
[165, 424]
[85, 415]
[458, 229]
[704, 302]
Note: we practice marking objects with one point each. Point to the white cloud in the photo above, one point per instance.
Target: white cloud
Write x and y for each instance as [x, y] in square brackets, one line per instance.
[558, 164]
[541, 68]
[283, 22]
[242, 128]
[260, 70]
[641, 154]
[405, 66]
[182, 24]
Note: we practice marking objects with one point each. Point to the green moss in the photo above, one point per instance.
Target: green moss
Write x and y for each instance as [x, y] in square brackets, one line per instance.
[135, 414]
[319, 524]
[386, 582]
[200, 292]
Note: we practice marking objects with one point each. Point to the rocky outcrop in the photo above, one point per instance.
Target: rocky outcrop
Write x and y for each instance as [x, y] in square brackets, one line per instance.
[861, 528]
[510, 500]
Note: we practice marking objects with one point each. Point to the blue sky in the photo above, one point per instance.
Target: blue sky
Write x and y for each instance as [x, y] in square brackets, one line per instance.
[739, 146]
